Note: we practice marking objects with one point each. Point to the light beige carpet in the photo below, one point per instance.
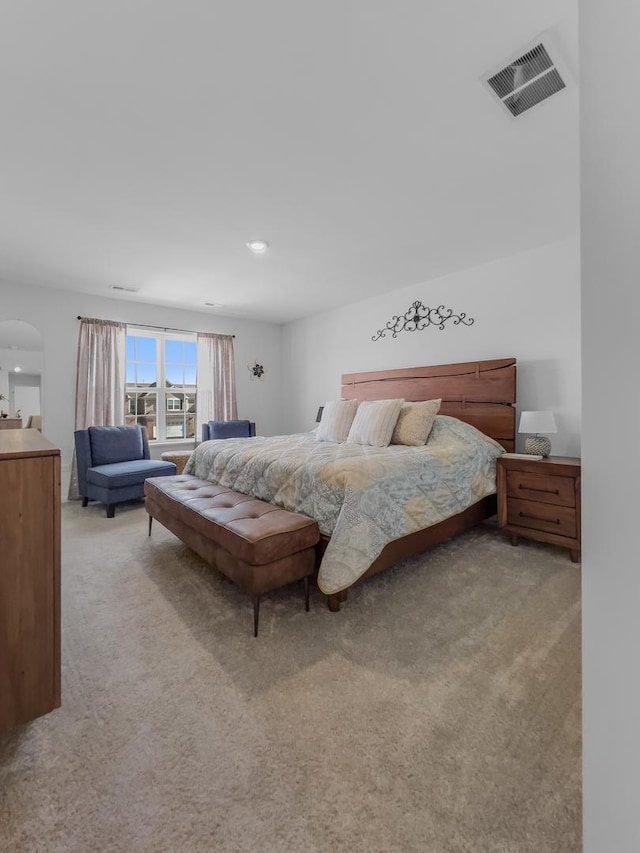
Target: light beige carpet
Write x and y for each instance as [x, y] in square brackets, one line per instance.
[438, 711]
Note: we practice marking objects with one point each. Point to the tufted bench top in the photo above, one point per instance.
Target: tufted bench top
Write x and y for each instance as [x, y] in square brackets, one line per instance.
[252, 530]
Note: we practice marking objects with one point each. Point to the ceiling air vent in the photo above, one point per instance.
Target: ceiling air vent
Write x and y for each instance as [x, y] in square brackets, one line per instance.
[125, 289]
[528, 79]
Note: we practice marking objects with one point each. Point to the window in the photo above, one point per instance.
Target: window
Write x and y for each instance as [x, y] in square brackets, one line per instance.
[161, 383]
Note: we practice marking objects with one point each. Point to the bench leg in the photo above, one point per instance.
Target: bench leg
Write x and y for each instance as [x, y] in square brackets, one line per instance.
[85, 501]
[256, 614]
[306, 593]
[334, 601]
[111, 510]
[150, 523]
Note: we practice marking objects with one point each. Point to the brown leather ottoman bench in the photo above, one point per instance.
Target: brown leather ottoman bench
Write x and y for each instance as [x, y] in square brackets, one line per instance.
[258, 546]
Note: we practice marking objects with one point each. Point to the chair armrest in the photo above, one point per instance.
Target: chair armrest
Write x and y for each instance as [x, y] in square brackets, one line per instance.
[146, 453]
[83, 458]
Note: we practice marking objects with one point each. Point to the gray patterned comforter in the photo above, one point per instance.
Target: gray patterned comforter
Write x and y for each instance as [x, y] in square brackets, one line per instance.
[363, 497]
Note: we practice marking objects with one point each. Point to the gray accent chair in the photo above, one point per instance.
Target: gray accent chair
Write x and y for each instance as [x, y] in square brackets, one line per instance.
[228, 429]
[113, 463]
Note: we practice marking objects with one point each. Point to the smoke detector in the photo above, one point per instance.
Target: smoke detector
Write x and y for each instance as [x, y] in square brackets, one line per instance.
[528, 78]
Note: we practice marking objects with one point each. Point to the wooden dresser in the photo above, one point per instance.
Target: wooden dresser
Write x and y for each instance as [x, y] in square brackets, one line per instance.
[540, 499]
[10, 423]
[29, 576]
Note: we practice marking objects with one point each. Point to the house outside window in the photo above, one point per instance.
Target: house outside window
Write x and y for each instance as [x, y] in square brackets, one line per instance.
[161, 383]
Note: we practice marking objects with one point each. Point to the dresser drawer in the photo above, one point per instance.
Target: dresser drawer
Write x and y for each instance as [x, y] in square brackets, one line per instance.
[545, 488]
[536, 515]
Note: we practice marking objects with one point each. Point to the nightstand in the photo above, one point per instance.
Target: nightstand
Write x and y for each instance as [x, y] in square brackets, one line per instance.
[540, 499]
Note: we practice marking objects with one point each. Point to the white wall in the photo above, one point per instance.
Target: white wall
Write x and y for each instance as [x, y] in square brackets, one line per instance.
[526, 306]
[5, 403]
[24, 394]
[611, 367]
[54, 313]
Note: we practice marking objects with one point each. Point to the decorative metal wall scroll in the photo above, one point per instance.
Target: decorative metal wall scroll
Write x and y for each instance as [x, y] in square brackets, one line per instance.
[418, 317]
[256, 370]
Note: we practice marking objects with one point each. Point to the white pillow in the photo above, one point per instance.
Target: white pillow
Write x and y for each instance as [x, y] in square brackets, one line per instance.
[414, 423]
[336, 420]
[374, 422]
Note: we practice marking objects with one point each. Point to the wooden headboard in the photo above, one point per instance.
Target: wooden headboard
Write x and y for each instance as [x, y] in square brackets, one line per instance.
[482, 393]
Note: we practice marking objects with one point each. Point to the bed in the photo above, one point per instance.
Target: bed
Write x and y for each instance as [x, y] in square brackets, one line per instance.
[377, 506]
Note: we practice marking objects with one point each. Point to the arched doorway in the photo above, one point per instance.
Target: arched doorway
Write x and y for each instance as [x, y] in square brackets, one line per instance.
[21, 373]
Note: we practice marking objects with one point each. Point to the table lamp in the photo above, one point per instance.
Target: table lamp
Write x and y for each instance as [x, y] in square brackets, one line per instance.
[536, 423]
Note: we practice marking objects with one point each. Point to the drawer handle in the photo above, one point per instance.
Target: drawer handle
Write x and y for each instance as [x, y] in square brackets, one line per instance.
[533, 489]
[537, 518]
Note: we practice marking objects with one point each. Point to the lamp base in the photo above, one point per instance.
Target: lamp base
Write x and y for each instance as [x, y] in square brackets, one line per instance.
[537, 444]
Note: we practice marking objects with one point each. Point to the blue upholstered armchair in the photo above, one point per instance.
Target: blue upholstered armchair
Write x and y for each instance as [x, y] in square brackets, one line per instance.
[228, 429]
[113, 463]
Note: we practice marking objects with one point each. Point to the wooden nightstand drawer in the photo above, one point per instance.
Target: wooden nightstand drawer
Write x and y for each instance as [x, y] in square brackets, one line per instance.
[536, 515]
[545, 488]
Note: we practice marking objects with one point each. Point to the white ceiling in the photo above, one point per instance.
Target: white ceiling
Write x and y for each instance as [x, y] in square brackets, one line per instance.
[144, 142]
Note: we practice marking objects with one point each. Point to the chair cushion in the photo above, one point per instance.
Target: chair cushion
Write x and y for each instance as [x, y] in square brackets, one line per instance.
[121, 474]
[115, 444]
[230, 429]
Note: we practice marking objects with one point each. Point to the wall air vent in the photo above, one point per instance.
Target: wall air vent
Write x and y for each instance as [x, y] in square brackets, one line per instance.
[125, 289]
[528, 78]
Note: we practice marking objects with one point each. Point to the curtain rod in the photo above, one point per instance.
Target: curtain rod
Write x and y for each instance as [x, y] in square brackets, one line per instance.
[162, 328]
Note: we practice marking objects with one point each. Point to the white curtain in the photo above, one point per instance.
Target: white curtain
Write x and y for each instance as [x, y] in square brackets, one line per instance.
[216, 381]
[100, 380]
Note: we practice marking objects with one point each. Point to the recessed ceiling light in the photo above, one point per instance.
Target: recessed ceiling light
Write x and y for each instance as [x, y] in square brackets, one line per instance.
[17, 369]
[258, 247]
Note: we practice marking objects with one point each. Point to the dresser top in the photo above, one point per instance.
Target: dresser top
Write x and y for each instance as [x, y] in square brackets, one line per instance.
[569, 465]
[16, 443]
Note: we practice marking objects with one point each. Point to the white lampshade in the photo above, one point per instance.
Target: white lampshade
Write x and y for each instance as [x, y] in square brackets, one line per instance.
[537, 422]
